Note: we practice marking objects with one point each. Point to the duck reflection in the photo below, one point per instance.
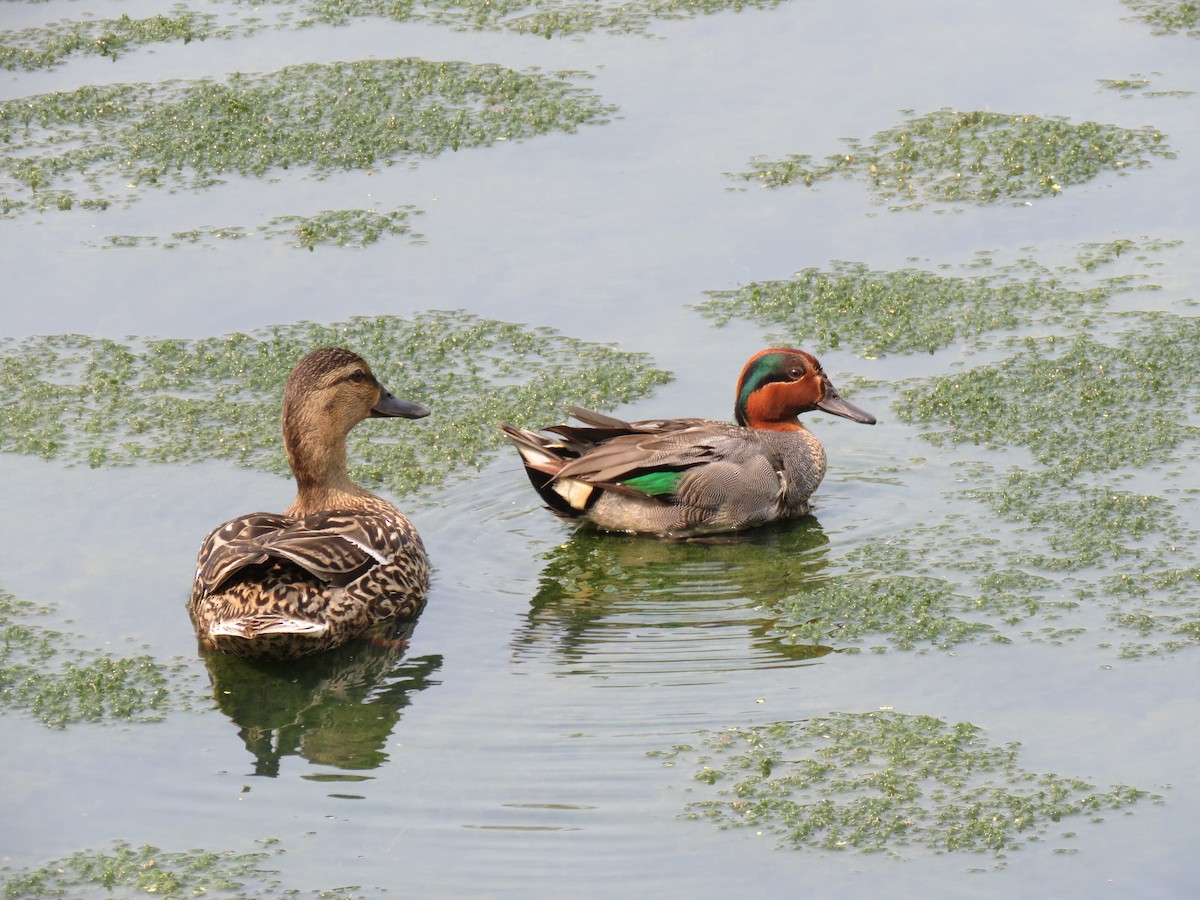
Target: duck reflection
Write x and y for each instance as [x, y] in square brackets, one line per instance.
[608, 601]
[336, 708]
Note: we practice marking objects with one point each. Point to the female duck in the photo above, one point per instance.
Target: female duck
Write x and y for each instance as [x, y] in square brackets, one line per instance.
[682, 477]
[340, 559]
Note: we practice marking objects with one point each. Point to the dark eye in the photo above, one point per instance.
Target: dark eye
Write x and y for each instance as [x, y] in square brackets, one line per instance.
[358, 375]
[797, 373]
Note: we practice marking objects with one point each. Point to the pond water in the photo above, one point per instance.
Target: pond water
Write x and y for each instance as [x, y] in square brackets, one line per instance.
[967, 671]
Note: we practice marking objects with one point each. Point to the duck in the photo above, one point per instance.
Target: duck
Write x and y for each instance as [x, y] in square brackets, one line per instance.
[680, 478]
[336, 562]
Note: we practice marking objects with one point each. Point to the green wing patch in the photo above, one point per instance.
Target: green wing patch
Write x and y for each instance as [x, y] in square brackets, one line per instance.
[655, 483]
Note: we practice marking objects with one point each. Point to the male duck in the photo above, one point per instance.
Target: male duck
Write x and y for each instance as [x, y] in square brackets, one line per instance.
[339, 559]
[682, 477]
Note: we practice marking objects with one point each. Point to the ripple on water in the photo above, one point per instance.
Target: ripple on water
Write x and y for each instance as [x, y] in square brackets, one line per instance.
[636, 612]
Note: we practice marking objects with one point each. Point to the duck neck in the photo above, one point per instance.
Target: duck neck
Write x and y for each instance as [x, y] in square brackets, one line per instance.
[318, 461]
[768, 409]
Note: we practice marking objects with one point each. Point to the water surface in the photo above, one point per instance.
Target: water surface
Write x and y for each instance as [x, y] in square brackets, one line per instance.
[514, 748]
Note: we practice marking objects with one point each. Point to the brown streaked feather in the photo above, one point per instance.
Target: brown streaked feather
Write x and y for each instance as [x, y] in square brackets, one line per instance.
[232, 546]
[335, 547]
[339, 560]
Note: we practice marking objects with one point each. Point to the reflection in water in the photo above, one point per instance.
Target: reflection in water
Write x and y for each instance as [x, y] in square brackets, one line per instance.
[335, 709]
[610, 603]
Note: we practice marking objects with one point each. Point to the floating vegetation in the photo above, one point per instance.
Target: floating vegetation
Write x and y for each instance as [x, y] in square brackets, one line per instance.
[1125, 85]
[335, 227]
[898, 311]
[544, 18]
[49, 45]
[906, 611]
[42, 674]
[1168, 16]
[1157, 606]
[340, 227]
[1092, 415]
[1085, 534]
[1077, 405]
[1082, 526]
[883, 782]
[1056, 560]
[914, 310]
[138, 871]
[935, 588]
[1088, 414]
[1138, 84]
[1091, 256]
[323, 118]
[103, 403]
[972, 157]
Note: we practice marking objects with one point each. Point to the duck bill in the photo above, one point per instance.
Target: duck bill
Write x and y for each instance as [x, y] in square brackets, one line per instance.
[390, 405]
[835, 405]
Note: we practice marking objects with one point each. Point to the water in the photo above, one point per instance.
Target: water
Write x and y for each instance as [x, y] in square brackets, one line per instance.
[505, 751]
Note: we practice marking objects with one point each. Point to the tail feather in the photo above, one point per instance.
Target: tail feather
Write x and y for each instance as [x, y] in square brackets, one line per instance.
[537, 451]
[599, 420]
[250, 627]
[269, 637]
[544, 458]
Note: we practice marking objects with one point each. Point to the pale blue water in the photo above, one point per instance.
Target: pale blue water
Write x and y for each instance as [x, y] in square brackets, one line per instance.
[511, 756]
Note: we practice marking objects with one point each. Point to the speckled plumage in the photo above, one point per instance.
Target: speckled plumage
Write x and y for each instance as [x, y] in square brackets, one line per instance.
[340, 559]
[683, 477]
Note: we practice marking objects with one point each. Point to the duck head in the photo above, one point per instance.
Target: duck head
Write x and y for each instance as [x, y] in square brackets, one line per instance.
[779, 383]
[329, 392]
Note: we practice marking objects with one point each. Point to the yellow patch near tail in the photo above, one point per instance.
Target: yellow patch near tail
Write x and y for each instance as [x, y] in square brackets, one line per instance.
[576, 493]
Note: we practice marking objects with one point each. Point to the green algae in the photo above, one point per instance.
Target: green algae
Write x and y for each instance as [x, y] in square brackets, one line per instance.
[1080, 526]
[125, 870]
[1138, 85]
[906, 611]
[1066, 443]
[1133, 84]
[973, 157]
[1056, 559]
[934, 588]
[44, 674]
[1090, 416]
[1076, 405]
[341, 227]
[1092, 255]
[543, 18]
[898, 311]
[330, 227]
[103, 402]
[883, 782]
[318, 118]
[848, 305]
[49, 45]
[1157, 608]
[1168, 16]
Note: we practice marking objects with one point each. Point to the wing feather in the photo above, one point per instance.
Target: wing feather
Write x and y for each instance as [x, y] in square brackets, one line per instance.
[336, 546]
[631, 455]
